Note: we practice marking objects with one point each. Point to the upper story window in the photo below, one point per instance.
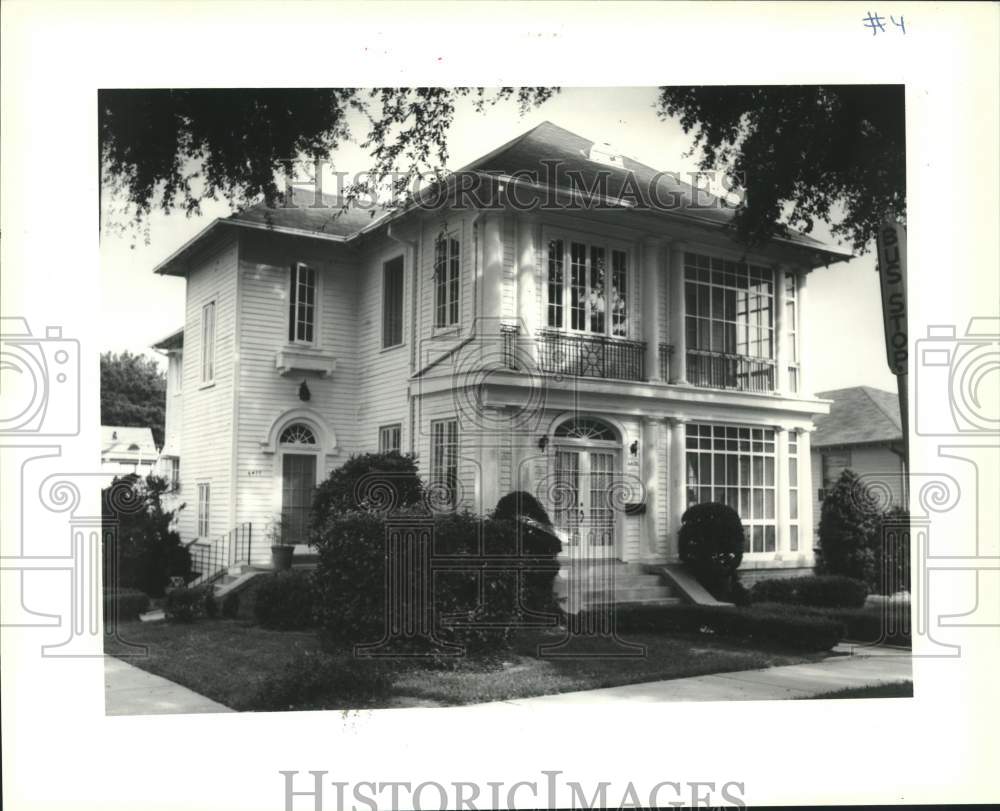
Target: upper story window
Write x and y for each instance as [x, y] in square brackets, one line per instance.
[208, 343]
[446, 281]
[302, 305]
[392, 302]
[792, 329]
[587, 288]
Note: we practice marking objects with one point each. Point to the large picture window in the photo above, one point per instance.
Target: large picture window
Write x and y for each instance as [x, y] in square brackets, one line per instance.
[302, 305]
[447, 267]
[587, 288]
[735, 466]
[444, 457]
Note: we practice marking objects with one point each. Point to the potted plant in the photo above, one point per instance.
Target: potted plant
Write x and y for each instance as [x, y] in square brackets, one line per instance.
[281, 550]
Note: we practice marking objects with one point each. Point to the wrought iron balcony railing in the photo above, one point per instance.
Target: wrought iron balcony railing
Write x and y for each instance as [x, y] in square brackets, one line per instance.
[718, 370]
[591, 356]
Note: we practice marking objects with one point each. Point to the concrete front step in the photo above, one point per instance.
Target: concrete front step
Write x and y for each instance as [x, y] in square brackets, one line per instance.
[623, 595]
[641, 601]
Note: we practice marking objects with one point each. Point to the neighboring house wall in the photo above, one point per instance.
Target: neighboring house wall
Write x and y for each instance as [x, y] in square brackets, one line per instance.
[208, 424]
[877, 464]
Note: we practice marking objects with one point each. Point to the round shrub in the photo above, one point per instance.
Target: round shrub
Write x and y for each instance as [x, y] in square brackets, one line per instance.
[286, 601]
[538, 540]
[365, 482]
[231, 605]
[711, 545]
[188, 604]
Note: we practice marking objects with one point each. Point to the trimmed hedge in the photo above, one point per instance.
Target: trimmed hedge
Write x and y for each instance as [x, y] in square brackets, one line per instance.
[871, 624]
[189, 604]
[130, 603]
[286, 601]
[833, 591]
[802, 632]
[311, 676]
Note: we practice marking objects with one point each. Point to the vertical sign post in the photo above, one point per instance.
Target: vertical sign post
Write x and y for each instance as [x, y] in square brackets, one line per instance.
[891, 246]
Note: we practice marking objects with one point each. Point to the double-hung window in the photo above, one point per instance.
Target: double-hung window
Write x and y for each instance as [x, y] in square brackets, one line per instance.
[444, 458]
[389, 438]
[204, 502]
[208, 343]
[587, 288]
[792, 330]
[447, 266]
[392, 302]
[302, 304]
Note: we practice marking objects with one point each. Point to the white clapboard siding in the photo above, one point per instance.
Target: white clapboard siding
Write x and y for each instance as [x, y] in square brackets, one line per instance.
[207, 431]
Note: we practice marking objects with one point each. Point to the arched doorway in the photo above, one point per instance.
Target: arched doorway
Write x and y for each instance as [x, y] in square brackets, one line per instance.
[299, 450]
[587, 454]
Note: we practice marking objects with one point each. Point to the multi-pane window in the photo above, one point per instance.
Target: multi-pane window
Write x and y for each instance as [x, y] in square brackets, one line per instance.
[792, 330]
[208, 342]
[735, 466]
[392, 302]
[581, 283]
[729, 307]
[446, 285]
[174, 473]
[444, 458]
[833, 464]
[793, 492]
[389, 438]
[302, 304]
[204, 500]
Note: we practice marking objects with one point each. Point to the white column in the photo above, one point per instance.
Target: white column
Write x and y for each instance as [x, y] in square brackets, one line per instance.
[781, 512]
[678, 360]
[781, 355]
[649, 289]
[805, 357]
[806, 520]
[527, 273]
[651, 523]
[491, 282]
[678, 482]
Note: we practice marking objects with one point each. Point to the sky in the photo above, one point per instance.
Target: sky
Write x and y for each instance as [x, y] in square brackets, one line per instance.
[844, 322]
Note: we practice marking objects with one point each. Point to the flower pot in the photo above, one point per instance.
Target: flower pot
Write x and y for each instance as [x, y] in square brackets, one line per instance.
[281, 558]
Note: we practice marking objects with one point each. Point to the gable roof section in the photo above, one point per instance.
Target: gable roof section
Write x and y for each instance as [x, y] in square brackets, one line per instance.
[529, 152]
[859, 415]
[127, 443]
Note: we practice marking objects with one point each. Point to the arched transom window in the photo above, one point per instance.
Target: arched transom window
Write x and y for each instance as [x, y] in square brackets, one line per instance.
[297, 434]
[587, 428]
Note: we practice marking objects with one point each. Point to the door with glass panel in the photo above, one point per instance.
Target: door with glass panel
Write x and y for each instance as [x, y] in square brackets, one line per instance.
[583, 513]
[298, 482]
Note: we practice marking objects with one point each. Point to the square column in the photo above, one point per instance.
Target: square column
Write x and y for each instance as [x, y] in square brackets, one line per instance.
[781, 511]
[677, 455]
[781, 353]
[807, 535]
[649, 290]
[491, 279]
[678, 334]
[802, 322]
[650, 546]
[528, 253]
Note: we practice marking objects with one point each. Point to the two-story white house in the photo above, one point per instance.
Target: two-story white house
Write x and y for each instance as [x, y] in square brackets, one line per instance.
[620, 361]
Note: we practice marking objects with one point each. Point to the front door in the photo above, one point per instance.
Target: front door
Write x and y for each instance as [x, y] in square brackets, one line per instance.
[583, 513]
[298, 481]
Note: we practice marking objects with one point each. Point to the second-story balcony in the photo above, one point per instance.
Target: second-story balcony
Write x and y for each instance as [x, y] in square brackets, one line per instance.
[719, 370]
[580, 355]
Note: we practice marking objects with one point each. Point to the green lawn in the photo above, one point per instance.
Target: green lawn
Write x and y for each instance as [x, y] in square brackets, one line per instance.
[897, 689]
[230, 660]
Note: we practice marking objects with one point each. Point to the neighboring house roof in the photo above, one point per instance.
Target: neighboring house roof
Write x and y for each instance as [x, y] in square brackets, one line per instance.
[175, 340]
[858, 416]
[528, 152]
[127, 444]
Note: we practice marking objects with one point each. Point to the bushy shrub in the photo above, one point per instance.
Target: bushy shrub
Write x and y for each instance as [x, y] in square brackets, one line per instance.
[538, 541]
[352, 569]
[817, 590]
[124, 604]
[285, 601]
[802, 632]
[311, 678]
[355, 486]
[847, 531]
[231, 605]
[188, 604]
[148, 552]
[711, 545]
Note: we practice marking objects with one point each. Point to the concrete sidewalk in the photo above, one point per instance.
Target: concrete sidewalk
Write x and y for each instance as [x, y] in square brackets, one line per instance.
[131, 691]
[863, 667]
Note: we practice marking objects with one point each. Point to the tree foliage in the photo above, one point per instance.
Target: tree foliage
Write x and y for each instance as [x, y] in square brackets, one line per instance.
[848, 526]
[133, 392]
[801, 153]
[175, 149]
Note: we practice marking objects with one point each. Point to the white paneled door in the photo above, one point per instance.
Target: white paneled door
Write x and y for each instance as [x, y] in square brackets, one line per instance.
[582, 509]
